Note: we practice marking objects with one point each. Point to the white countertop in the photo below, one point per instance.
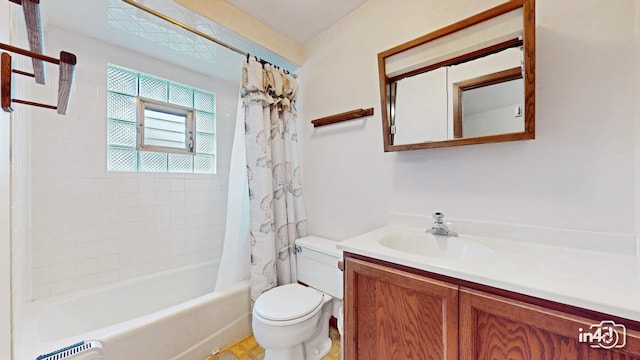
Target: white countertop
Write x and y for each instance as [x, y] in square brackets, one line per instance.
[607, 282]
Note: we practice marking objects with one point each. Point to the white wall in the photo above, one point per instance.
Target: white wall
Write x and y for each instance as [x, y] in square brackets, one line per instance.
[21, 120]
[5, 219]
[90, 226]
[637, 130]
[578, 173]
[20, 213]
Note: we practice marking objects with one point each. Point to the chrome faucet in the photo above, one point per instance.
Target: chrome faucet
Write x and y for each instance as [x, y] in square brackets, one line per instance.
[439, 228]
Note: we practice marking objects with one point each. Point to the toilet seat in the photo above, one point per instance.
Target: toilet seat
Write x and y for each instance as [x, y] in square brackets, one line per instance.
[287, 302]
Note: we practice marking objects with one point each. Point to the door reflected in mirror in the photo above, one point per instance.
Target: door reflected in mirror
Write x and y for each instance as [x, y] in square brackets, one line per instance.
[489, 105]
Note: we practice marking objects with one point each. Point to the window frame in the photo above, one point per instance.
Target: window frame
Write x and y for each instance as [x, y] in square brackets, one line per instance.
[169, 108]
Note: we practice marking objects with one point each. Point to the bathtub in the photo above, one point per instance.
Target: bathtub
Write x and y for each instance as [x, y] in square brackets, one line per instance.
[172, 315]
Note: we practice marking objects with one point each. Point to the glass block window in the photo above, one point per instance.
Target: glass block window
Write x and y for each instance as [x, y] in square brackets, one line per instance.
[156, 125]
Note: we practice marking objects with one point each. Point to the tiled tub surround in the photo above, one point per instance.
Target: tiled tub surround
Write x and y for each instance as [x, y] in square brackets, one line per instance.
[595, 271]
[94, 231]
[91, 227]
[175, 314]
[19, 122]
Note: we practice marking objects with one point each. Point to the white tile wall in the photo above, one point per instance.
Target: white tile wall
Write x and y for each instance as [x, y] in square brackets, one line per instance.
[20, 121]
[91, 227]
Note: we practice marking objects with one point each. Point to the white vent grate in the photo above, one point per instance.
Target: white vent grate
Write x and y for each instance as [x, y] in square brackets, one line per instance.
[91, 350]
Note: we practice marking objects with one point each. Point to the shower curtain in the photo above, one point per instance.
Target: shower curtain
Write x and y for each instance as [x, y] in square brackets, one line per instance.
[234, 262]
[277, 215]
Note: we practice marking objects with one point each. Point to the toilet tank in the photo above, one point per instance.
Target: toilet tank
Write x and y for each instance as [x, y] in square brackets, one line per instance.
[317, 264]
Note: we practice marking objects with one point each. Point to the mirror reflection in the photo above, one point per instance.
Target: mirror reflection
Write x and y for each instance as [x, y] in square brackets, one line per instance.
[435, 105]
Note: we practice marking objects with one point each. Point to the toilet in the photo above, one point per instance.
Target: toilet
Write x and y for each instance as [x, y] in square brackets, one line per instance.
[291, 322]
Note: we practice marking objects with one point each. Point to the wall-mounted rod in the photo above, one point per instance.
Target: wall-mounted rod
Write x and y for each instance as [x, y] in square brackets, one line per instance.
[23, 73]
[67, 63]
[349, 115]
[31, 103]
[184, 26]
[31, 10]
[28, 53]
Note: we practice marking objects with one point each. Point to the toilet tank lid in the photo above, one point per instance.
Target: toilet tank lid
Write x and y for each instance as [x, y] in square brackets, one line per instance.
[320, 244]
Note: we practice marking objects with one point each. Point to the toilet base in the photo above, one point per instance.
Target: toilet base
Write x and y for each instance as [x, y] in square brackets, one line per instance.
[319, 345]
[315, 348]
[318, 352]
[298, 352]
[292, 353]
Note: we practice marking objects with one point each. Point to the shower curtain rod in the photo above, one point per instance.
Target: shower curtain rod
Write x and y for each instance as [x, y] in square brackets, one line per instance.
[184, 26]
[192, 30]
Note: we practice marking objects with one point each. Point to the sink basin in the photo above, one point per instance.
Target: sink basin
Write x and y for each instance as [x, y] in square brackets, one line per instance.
[437, 246]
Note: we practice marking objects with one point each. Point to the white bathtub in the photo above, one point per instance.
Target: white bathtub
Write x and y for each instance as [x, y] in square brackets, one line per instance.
[172, 315]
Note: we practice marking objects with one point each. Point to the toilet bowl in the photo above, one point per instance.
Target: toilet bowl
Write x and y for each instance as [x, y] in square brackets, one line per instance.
[291, 322]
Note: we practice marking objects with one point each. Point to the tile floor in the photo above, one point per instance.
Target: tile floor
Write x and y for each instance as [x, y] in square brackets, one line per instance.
[248, 349]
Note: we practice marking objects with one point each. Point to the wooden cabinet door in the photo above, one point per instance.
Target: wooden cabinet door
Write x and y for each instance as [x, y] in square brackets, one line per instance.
[497, 328]
[392, 314]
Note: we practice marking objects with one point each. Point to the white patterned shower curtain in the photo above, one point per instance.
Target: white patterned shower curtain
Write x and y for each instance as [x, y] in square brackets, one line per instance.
[277, 215]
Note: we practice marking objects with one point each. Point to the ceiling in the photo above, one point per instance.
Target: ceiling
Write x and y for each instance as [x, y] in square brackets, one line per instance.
[120, 24]
[299, 21]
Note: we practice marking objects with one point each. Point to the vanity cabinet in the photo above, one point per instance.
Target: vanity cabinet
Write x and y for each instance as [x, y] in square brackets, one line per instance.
[392, 314]
[396, 313]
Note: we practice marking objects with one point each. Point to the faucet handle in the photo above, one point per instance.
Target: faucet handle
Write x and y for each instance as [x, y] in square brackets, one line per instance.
[438, 216]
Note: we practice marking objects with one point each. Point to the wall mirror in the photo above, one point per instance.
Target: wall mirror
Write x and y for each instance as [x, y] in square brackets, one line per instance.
[471, 82]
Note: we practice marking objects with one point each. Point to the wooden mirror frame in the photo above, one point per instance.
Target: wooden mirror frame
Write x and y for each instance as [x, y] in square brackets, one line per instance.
[529, 76]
